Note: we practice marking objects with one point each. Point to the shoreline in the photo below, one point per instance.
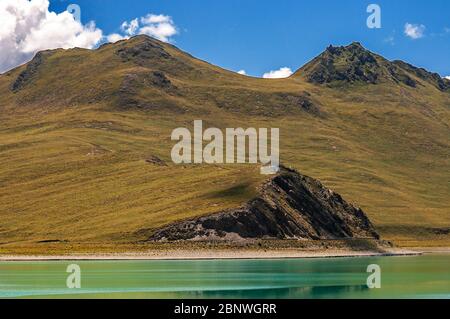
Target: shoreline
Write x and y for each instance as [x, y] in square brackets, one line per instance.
[210, 255]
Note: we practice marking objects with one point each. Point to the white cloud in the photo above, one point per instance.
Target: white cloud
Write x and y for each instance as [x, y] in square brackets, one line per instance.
[29, 26]
[447, 77]
[414, 31]
[153, 18]
[159, 26]
[114, 37]
[242, 72]
[278, 74]
[131, 27]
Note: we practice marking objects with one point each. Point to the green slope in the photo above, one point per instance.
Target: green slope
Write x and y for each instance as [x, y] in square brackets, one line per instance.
[77, 127]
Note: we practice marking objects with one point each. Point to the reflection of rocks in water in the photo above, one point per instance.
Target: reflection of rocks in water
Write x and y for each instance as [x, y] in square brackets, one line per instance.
[344, 291]
[307, 292]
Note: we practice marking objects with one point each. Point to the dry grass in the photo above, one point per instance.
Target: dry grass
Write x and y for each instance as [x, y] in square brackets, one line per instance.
[72, 161]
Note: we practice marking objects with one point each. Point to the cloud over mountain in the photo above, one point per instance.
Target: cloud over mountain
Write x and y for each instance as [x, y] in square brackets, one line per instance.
[29, 26]
[159, 26]
[278, 74]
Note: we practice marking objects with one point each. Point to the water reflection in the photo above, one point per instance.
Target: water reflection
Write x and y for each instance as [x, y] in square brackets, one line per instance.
[402, 277]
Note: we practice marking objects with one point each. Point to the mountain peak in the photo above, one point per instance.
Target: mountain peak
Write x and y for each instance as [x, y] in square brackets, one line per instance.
[355, 64]
[352, 46]
[356, 44]
[351, 63]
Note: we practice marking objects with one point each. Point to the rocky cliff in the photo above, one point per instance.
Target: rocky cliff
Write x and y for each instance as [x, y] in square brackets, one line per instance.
[355, 64]
[288, 206]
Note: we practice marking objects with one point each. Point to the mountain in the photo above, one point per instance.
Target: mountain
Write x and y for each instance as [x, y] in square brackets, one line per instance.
[143, 73]
[288, 206]
[85, 141]
[355, 64]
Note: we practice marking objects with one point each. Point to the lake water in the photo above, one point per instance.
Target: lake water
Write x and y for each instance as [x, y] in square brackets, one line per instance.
[426, 276]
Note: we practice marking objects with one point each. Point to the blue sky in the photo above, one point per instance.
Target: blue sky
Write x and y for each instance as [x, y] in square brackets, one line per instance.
[258, 36]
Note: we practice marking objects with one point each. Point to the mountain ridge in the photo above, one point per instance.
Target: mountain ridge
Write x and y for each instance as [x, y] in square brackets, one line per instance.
[353, 63]
[77, 135]
[144, 73]
[320, 70]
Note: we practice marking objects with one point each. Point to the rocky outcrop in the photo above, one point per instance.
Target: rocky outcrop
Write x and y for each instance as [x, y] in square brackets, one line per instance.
[289, 206]
[26, 76]
[304, 101]
[147, 52]
[143, 53]
[129, 93]
[430, 77]
[155, 160]
[355, 64]
[351, 64]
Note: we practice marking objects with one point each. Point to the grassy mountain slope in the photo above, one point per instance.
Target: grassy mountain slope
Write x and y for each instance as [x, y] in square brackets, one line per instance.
[77, 127]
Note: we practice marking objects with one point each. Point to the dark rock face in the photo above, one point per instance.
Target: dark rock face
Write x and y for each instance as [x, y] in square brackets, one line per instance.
[156, 79]
[155, 160]
[399, 76]
[152, 54]
[349, 64]
[305, 102]
[159, 80]
[133, 83]
[289, 206]
[355, 64]
[433, 78]
[144, 52]
[128, 90]
[26, 76]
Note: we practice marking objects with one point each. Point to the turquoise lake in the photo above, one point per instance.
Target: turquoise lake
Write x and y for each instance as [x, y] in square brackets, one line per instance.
[426, 276]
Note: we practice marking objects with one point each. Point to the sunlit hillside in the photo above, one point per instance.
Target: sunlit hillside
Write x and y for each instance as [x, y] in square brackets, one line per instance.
[85, 141]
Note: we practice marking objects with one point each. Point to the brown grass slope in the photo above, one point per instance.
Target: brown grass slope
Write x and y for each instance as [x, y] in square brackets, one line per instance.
[78, 125]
